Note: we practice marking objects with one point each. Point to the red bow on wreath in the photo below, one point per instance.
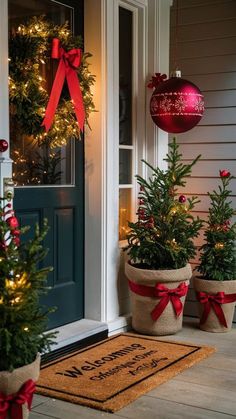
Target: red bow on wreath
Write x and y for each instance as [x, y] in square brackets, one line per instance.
[69, 63]
[12, 403]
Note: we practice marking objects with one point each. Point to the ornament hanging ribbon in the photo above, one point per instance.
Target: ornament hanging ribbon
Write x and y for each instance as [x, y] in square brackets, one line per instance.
[215, 301]
[156, 80]
[165, 294]
[13, 403]
[68, 64]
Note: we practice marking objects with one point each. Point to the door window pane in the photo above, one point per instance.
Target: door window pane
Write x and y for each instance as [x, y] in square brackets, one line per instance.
[124, 212]
[35, 164]
[125, 167]
[125, 76]
[126, 148]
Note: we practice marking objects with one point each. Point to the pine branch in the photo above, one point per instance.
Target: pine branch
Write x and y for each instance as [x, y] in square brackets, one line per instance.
[22, 319]
[162, 238]
[217, 260]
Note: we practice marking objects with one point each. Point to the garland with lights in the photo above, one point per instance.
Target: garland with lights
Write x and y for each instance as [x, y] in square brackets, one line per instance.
[30, 54]
[162, 237]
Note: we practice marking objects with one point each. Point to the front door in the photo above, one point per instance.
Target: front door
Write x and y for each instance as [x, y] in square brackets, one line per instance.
[50, 181]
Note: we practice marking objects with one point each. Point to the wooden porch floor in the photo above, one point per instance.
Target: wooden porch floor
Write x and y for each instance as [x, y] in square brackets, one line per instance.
[207, 390]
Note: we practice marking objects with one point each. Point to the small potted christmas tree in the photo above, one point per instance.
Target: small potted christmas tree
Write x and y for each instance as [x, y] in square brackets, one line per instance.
[216, 289]
[22, 319]
[160, 245]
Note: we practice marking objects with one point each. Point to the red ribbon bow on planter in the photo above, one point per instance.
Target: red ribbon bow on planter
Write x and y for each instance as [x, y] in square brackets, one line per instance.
[165, 294]
[12, 403]
[215, 301]
[69, 62]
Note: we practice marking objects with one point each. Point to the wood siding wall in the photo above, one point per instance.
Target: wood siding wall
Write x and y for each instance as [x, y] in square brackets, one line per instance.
[206, 55]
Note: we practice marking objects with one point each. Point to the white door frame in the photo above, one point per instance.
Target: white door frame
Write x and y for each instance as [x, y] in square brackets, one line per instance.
[5, 162]
[102, 253]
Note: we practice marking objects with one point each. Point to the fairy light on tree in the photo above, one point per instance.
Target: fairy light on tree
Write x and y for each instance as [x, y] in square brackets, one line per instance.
[218, 260]
[22, 319]
[162, 237]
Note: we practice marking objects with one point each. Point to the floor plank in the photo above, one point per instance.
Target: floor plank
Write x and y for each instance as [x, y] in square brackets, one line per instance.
[213, 377]
[65, 410]
[221, 361]
[197, 395]
[34, 415]
[37, 400]
[153, 408]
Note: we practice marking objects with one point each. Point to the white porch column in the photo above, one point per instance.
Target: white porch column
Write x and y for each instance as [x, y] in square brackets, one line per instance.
[101, 169]
[95, 166]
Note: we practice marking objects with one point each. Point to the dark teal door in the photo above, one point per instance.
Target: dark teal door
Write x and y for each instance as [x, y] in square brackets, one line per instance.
[59, 194]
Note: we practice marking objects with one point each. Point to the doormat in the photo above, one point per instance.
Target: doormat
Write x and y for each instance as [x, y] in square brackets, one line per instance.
[110, 374]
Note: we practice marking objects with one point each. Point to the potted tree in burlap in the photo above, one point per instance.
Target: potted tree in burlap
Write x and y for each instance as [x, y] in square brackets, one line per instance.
[160, 245]
[22, 319]
[216, 288]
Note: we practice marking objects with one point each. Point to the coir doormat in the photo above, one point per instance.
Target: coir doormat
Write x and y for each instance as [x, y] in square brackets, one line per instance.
[116, 371]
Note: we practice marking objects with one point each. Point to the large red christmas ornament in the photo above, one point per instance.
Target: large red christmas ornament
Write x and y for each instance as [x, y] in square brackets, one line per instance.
[3, 145]
[176, 105]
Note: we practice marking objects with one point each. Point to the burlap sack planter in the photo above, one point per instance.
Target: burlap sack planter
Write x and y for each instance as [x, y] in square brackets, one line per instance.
[142, 306]
[12, 382]
[212, 323]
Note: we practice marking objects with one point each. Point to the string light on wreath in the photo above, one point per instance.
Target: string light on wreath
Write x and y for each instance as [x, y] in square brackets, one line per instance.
[30, 54]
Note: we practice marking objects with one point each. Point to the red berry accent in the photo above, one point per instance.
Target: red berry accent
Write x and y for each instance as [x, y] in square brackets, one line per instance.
[224, 173]
[16, 241]
[3, 245]
[149, 225]
[182, 199]
[15, 232]
[3, 146]
[141, 211]
[12, 222]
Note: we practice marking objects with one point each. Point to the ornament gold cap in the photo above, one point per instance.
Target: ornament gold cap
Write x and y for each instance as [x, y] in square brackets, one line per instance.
[176, 73]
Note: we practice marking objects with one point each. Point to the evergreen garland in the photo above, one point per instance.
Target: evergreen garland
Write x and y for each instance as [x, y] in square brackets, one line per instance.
[22, 319]
[162, 236]
[218, 260]
[29, 52]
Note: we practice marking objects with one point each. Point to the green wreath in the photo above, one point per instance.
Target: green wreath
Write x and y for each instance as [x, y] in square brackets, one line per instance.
[29, 52]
